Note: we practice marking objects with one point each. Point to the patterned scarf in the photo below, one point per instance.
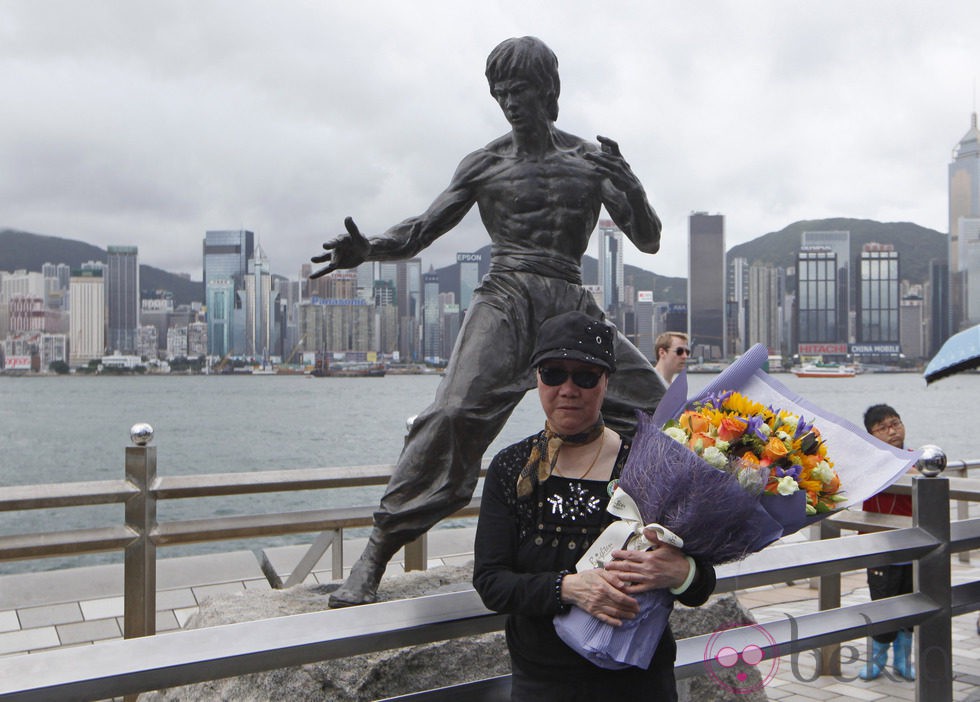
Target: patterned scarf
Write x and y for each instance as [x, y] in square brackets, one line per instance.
[544, 455]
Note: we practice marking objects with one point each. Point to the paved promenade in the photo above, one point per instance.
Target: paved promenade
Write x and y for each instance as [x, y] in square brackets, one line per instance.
[40, 611]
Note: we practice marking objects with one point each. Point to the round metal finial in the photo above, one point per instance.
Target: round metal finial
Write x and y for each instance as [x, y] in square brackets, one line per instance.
[141, 434]
[933, 461]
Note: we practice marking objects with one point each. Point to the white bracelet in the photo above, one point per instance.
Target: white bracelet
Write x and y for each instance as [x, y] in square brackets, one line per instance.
[688, 580]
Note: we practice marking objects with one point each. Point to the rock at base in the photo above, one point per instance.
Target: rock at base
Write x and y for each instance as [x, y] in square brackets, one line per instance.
[428, 666]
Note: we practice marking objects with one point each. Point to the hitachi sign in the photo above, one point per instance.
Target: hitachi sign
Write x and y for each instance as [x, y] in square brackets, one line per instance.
[469, 258]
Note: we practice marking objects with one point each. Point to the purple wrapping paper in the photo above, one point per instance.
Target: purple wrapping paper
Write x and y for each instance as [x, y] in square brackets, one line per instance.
[671, 487]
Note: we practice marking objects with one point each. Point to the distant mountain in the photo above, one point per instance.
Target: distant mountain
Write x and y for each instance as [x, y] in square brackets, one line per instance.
[23, 250]
[916, 245]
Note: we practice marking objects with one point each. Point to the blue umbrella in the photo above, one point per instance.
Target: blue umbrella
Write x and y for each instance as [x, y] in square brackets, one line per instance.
[960, 352]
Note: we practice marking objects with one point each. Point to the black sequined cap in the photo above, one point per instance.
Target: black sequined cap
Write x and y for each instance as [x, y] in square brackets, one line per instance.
[576, 336]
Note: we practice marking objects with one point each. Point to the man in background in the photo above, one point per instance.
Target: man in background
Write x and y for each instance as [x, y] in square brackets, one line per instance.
[672, 353]
[883, 422]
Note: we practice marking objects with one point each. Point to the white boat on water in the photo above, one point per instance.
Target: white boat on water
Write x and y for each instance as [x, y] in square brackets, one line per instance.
[824, 370]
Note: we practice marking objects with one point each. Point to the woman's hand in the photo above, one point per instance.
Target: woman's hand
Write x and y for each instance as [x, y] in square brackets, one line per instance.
[600, 593]
[662, 567]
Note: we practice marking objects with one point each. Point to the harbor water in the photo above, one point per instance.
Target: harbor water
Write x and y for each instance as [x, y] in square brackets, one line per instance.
[68, 429]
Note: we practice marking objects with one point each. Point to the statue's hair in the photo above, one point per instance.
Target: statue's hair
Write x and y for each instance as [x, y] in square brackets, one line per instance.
[528, 58]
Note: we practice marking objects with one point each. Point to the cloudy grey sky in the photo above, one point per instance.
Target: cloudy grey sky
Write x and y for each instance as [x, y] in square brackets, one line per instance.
[147, 123]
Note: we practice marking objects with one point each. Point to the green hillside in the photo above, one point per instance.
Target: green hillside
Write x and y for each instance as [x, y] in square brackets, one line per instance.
[23, 250]
[916, 245]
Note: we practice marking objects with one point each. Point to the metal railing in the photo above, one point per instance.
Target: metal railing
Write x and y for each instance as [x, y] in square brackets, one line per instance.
[105, 670]
[120, 667]
[141, 534]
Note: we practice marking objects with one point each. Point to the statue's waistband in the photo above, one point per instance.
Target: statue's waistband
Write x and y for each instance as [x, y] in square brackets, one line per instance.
[544, 264]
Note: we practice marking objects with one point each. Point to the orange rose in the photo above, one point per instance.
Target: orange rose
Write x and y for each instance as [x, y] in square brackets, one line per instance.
[750, 459]
[694, 422]
[731, 428]
[774, 450]
[705, 440]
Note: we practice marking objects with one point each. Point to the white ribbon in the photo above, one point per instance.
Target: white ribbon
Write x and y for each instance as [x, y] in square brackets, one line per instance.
[625, 534]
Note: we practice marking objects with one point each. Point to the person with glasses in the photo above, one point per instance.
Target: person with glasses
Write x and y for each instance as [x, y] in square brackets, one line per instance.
[673, 350]
[544, 503]
[539, 191]
[883, 422]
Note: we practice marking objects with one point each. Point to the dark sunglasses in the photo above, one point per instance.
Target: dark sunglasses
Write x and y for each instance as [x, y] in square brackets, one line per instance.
[557, 376]
[682, 351]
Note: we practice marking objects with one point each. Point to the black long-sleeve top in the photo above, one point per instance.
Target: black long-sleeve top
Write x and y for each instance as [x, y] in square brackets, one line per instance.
[521, 547]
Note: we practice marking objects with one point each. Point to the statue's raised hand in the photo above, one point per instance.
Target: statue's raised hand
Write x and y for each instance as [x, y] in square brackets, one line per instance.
[610, 162]
[346, 251]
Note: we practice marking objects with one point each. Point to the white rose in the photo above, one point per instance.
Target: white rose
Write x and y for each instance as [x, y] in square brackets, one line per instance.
[722, 444]
[786, 485]
[823, 471]
[677, 434]
[715, 457]
[765, 430]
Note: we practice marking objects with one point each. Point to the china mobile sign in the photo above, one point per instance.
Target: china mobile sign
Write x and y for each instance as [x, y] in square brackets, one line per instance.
[17, 363]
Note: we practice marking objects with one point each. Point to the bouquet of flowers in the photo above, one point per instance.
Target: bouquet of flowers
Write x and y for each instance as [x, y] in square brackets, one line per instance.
[767, 450]
[734, 469]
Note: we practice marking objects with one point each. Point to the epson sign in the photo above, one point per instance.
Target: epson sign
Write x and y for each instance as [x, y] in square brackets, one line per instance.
[469, 258]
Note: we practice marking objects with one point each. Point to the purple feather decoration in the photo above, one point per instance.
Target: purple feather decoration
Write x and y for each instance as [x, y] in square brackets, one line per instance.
[717, 518]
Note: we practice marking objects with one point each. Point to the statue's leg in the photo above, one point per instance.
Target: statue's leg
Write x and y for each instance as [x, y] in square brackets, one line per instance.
[633, 386]
[439, 465]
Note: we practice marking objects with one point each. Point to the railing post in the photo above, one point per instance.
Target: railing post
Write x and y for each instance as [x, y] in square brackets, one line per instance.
[934, 640]
[829, 598]
[140, 568]
[417, 554]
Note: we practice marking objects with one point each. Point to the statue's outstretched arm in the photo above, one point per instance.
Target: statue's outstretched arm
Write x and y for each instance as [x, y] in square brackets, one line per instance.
[407, 238]
[624, 197]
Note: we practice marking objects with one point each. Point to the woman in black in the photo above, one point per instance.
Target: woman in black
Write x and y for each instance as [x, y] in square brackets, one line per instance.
[544, 503]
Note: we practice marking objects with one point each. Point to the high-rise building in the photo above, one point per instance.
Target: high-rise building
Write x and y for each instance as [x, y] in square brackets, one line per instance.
[964, 205]
[840, 243]
[879, 285]
[644, 311]
[431, 325]
[765, 305]
[220, 303]
[611, 278]
[469, 277]
[706, 285]
[86, 336]
[122, 290]
[969, 234]
[818, 317]
[410, 310]
[737, 306]
[226, 257]
[938, 303]
[261, 329]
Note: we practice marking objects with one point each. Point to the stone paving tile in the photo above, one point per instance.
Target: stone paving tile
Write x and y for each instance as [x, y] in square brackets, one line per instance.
[185, 613]
[96, 630]
[29, 639]
[33, 617]
[257, 584]
[172, 599]
[167, 621]
[104, 608]
[9, 621]
[202, 592]
[853, 691]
